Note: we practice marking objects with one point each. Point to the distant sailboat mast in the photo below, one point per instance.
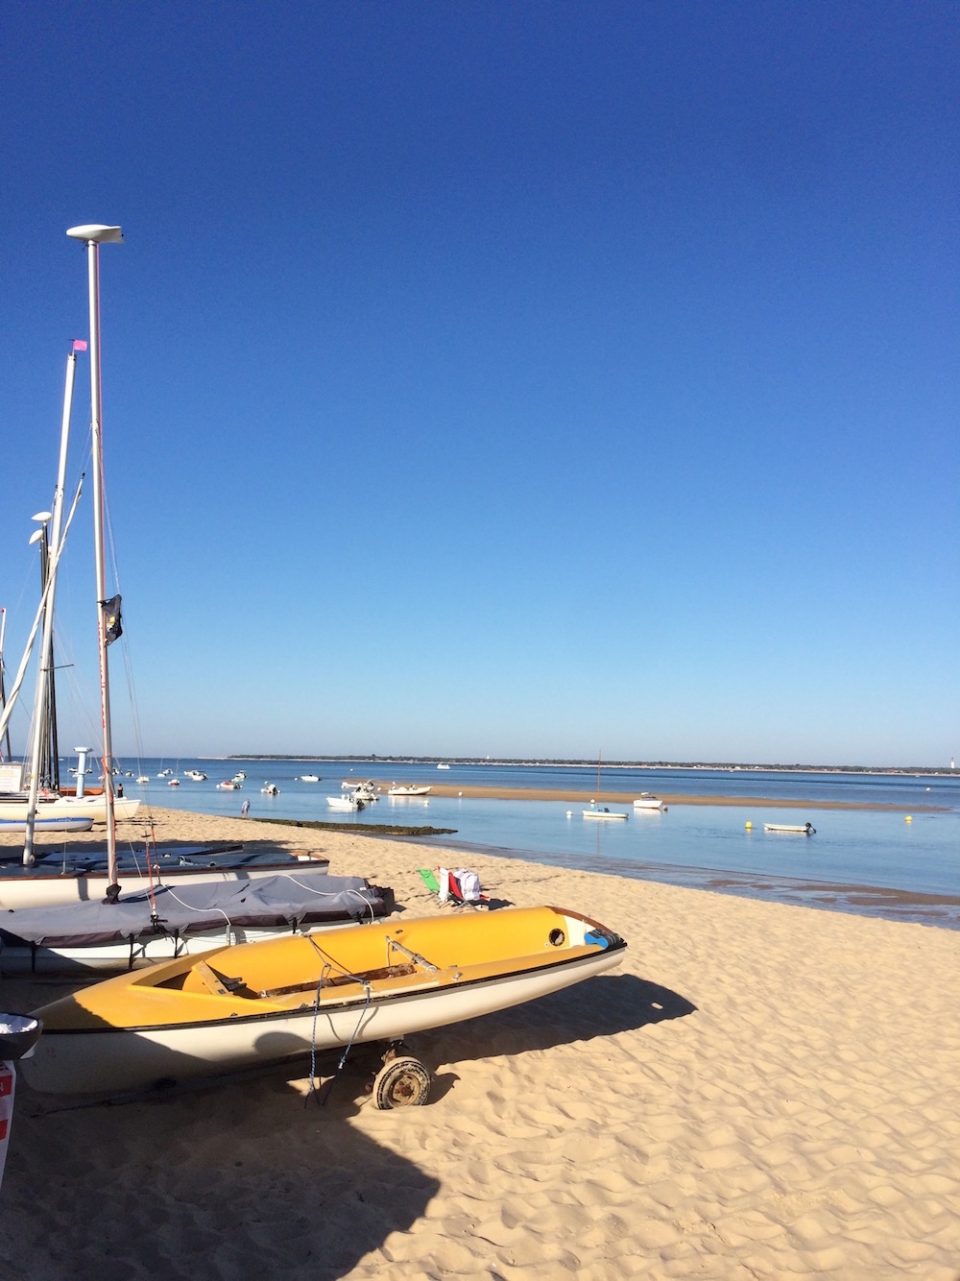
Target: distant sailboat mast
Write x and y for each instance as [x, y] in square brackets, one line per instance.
[93, 236]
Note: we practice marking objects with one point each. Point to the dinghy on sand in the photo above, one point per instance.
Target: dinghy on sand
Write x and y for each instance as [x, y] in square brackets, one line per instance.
[259, 1003]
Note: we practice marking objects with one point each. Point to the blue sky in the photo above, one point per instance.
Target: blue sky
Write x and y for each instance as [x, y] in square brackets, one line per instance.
[523, 379]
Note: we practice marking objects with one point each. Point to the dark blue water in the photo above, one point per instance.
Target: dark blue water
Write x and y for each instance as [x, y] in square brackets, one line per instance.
[703, 844]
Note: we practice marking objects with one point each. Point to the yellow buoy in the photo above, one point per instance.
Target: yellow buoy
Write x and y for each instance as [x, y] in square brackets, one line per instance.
[748, 825]
[908, 818]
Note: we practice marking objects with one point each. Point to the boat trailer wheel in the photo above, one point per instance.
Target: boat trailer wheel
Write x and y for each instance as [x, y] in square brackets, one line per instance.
[402, 1082]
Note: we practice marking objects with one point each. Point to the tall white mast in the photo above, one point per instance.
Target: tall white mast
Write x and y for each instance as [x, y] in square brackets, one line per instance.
[94, 236]
[46, 643]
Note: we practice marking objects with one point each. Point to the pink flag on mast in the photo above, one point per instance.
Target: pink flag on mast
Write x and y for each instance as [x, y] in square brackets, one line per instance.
[79, 344]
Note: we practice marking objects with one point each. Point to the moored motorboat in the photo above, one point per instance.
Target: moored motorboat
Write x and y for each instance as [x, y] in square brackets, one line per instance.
[602, 813]
[286, 998]
[795, 829]
[647, 801]
[348, 801]
[407, 789]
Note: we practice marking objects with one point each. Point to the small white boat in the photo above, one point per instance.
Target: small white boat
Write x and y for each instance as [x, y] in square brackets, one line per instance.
[270, 789]
[796, 829]
[173, 782]
[288, 998]
[143, 778]
[647, 801]
[195, 775]
[366, 791]
[346, 802]
[407, 789]
[229, 785]
[309, 778]
[602, 814]
[443, 766]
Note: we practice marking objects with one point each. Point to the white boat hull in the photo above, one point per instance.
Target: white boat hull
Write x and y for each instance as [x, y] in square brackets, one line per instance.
[122, 1059]
[93, 807]
[29, 887]
[604, 815]
[64, 824]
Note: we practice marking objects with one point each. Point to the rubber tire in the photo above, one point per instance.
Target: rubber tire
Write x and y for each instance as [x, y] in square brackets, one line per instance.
[401, 1083]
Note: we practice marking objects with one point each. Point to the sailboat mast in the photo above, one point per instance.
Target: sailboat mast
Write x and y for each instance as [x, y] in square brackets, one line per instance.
[94, 236]
[5, 752]
[44, 719]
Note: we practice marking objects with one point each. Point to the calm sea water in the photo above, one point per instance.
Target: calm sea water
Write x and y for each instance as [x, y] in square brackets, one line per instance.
[907, 864]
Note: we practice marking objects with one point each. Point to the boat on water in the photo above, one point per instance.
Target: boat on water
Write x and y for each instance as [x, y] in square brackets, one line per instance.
[148, 925]
[229, 785]
[603, 814]
[795, 829]
[348, 801]
[365, 788]
[408, 789]
[309, 778]
[283, 999]
[195, 775]
[647, 801]
[270, 789]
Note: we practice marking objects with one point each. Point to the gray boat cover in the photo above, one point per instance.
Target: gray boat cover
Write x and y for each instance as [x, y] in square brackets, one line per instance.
[294, 899]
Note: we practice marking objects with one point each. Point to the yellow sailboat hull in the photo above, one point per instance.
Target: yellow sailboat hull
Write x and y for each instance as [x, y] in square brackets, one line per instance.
[283, 998]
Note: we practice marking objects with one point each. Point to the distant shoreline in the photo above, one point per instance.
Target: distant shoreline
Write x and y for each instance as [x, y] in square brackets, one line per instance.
[893, 771]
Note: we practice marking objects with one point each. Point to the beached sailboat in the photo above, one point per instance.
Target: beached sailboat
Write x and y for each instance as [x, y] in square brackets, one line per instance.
[83, 873]
[286, 998]
[69, 878]
[43, 823]
[160, 923]
[44, 796]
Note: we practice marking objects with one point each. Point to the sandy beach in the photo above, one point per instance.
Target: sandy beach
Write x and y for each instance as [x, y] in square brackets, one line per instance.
[761, 1091]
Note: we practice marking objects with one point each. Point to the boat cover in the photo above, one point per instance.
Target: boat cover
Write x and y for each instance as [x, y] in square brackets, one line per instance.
[294, 899]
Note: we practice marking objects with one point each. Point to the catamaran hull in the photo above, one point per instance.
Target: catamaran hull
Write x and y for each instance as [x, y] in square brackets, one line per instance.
[47, 824]
[29, 887]
[109, 1060]
[93, 807]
